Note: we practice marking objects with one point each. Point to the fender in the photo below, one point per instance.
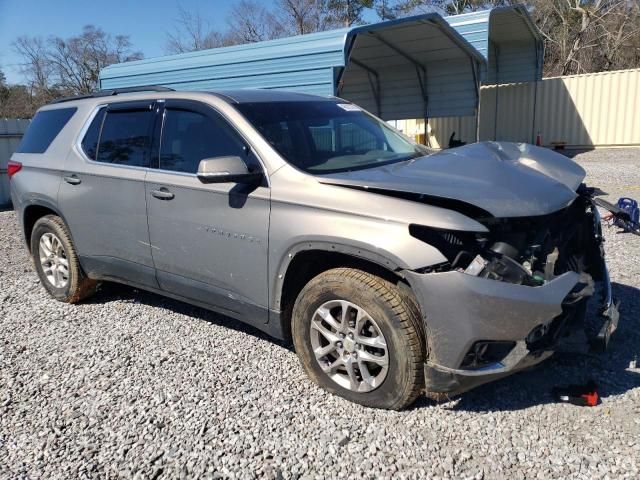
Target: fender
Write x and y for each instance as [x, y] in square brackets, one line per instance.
[386, 261]
[37, 201]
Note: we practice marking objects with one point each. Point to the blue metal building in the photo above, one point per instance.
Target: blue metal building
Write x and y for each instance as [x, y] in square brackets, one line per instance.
[508, 39]
[416, 67]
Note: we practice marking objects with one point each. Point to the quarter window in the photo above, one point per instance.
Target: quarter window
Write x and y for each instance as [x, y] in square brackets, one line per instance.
[189, 136]
[44, 128]
[126, 138]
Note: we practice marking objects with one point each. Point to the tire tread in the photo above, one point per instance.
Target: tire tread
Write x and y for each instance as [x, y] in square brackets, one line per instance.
[407, 313]
[81, 286]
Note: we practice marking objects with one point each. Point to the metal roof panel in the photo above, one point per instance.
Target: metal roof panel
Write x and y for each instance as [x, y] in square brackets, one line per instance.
[507, 38]
[320, 63]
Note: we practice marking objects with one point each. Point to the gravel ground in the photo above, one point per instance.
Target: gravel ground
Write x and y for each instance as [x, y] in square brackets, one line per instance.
[131, 384]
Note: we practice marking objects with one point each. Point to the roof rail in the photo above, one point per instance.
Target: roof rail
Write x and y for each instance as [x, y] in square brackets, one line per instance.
[116, 91]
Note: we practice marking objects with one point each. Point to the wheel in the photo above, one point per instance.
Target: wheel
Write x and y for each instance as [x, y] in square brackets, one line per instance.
[57, 263]
[360, 337]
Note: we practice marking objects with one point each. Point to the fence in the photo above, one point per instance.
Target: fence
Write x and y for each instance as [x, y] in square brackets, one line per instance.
[578, 111]
[11, 132]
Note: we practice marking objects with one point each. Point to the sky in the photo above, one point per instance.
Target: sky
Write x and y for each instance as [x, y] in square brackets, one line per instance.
[145, 21]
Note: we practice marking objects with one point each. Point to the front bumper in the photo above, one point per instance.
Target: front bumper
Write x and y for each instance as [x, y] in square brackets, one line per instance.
[461, 309]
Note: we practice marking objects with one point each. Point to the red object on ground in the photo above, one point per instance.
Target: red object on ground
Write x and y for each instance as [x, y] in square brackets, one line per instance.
[583, 395]
[591, 398]
[539, 140]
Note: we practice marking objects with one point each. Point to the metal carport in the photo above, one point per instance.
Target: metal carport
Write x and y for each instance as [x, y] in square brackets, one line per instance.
[508, 39]
[513, 48]
[415, 67]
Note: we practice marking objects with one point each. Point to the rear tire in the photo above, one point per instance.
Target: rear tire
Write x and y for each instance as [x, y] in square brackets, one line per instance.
[56, 261]
[373, 354]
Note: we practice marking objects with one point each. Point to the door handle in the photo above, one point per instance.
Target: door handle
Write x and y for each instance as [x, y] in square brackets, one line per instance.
[72, 179]
[162, 194]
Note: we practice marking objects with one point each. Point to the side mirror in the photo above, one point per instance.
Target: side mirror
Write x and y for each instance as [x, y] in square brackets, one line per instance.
[226, 169]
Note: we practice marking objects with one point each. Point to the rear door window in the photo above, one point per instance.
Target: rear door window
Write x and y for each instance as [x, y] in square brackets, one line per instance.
[126, 137]
[44, 128]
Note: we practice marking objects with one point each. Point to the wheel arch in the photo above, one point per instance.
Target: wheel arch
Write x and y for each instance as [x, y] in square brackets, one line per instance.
[305, 261]
[32, 212]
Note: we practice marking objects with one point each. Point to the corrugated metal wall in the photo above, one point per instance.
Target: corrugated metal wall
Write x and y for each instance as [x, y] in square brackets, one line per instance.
[11, 132]
[516, 62]
[304, 62]
[507, 112]
[580, 111]
[515, 47]
[474, 27]
[599, 109]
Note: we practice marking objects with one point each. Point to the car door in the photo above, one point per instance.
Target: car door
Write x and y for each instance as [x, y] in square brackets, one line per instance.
[102, 196]
[209, 241]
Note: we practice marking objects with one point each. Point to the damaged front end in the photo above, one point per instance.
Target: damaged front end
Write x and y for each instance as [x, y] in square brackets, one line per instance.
[505, 299]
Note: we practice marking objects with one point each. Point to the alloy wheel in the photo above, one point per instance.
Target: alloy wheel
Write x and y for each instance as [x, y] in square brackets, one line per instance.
[53, 260]
[349, 346]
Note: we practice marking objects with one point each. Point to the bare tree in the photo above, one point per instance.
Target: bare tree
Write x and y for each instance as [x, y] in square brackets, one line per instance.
[249, 21]
[77, 61]
[57, 67]
[192, 32]
[298, 17]
[456, 7]
[584, 36]
[16, 101]
[35, 65]
[348, 12]
[20, 101]
[620, 40]
[392, 9]
[401, 8]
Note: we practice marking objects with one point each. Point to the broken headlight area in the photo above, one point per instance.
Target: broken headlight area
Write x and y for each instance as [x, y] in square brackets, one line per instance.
[524, 250]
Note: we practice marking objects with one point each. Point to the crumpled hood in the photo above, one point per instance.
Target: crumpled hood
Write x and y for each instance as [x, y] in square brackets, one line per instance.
[504, 179]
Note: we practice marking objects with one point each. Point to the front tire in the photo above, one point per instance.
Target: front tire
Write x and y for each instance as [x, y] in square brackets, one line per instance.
[56, 261]
[359, 336]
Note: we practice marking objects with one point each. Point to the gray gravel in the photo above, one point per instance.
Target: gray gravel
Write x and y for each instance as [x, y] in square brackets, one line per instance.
[131, 384]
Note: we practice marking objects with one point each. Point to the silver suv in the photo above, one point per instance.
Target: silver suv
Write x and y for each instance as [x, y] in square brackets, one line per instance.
[394, 269]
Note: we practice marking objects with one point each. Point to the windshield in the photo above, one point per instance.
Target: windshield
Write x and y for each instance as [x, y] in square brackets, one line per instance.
[327, 137]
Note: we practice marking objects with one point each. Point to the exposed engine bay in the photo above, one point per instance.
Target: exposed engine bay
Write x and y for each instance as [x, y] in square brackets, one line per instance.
[532, 251]
[523, 250]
